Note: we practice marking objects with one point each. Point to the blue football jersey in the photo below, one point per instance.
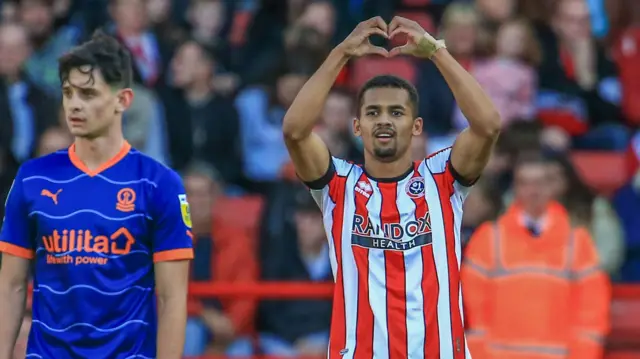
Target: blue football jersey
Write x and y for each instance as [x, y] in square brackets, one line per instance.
[94, 237]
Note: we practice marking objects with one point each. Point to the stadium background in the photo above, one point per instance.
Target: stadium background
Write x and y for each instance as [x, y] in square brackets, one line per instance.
[214, 78]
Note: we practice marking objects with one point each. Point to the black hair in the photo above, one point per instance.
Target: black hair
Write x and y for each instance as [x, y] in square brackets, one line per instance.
[390, 81]
[104, 53]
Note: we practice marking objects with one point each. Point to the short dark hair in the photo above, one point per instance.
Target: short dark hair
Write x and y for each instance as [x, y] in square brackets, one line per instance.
[390, 81]
[104, 53]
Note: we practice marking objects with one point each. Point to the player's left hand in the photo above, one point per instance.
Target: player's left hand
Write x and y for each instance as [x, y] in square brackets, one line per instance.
[419, 42]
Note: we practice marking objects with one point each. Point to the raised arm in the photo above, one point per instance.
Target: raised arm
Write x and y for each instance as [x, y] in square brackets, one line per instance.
[473, 146]
[308, 152]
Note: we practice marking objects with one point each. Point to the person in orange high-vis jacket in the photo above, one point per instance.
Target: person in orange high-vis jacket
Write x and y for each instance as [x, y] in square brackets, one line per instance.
[531, 282]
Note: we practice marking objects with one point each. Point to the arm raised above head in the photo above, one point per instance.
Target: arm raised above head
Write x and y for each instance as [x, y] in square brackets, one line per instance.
[308, 152]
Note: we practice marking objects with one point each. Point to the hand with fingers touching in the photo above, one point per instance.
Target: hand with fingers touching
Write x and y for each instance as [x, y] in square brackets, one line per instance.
[357, 43]
[419, 42]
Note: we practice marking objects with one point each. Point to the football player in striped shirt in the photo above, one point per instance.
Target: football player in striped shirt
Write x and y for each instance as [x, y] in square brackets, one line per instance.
[103, 226]
[393, 224]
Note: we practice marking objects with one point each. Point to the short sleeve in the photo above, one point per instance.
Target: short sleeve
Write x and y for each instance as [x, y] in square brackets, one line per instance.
[15, 237]
[440, 165]
[331, 184]
[171, 233]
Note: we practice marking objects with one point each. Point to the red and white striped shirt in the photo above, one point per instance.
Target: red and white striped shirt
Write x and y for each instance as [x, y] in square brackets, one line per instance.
[395, 255]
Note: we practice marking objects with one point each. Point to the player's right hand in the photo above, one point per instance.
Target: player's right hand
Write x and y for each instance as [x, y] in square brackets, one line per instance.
[357, 43]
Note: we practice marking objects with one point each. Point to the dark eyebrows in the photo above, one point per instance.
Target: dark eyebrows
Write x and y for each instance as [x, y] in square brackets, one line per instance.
[397, 107]
[68, 87]
[393, 107]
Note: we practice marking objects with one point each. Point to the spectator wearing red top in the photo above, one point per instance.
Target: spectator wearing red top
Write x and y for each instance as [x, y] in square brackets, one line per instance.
[579, 87]
[215, 329]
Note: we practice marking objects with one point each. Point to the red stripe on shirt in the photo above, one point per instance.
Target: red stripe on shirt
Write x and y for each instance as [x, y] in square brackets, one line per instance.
[338, 338]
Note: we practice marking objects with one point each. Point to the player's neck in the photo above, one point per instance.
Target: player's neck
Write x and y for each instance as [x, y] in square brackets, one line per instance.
[377, 170]
[95, 152]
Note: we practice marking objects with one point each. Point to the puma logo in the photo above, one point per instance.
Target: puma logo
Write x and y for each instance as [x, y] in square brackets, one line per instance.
[53, 196]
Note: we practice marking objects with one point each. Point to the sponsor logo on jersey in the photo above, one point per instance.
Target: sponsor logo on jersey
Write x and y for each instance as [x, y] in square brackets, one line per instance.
[364, 188]
[391, 236]
[185, 210]
[82, 246]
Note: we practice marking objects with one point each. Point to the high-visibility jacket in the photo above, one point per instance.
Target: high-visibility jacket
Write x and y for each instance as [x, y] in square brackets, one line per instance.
[529, 297]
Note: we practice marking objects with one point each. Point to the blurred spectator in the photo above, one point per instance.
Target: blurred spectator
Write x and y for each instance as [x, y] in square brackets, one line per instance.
[336, 144]
[215, 123]
[25, 110]
[496, 12]
[534, 265]
[304, 41]
[589, 211]
[298, 327]
[337, 115]
[627, 204]
[208, 18]
[509, 77]
[49, 42]
[627, 54]
[215, 330]
[132, 27]
[8, 171]
[520, 138]
[320, 15]
[483, 204]
[460, 28]
[143, 124]
[151, 55]
[54, 139]
[261, 112]
[163, 24]
[579, 88]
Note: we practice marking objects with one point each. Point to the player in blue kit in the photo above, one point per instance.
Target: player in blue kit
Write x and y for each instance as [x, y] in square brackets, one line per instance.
[105, 228]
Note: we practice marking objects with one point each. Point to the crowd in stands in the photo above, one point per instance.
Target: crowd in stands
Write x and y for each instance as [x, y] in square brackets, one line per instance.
[214, 79]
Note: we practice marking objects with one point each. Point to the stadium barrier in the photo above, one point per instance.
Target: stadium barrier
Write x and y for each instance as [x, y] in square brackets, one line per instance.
[624, 340]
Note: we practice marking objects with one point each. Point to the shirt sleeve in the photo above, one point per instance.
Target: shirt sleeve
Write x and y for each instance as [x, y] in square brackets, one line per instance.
[439, 164]
[171, 235]
[15, 238]
[331, 186]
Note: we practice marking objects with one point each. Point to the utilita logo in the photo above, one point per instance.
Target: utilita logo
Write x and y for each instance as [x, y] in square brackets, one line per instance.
[81, 246]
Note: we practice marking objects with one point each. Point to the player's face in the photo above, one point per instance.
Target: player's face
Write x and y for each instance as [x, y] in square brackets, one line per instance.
[92, 107]
[386, 123]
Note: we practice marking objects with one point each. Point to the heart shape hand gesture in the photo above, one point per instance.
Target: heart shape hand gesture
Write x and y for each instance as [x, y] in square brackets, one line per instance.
[419, 42]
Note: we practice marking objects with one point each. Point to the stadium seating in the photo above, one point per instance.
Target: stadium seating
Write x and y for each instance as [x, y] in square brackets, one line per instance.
[368, 67]
[604, 172]
[625, 319]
